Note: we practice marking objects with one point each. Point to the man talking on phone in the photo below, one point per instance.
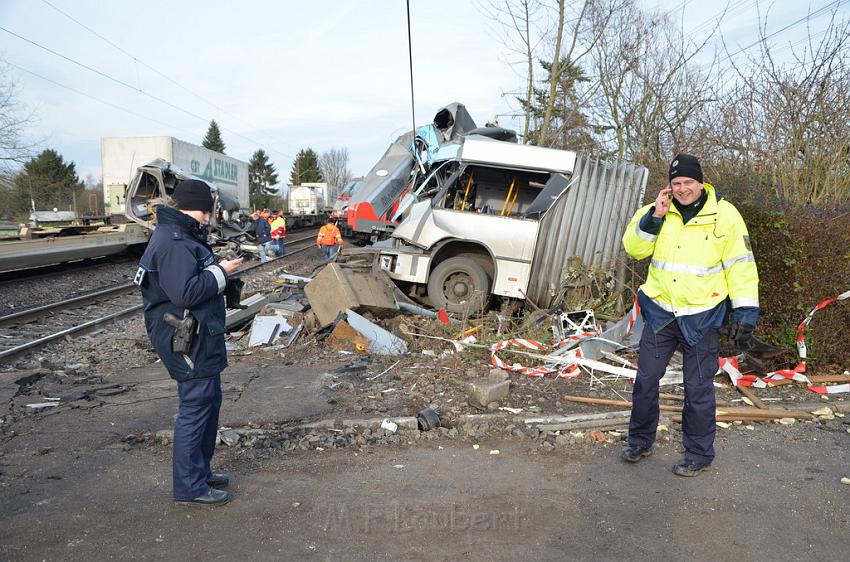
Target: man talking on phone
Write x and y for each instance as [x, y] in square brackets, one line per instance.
[183, 288]
[702, 271]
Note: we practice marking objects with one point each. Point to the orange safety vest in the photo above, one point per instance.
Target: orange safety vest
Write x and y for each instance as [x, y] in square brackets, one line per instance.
[329, 235]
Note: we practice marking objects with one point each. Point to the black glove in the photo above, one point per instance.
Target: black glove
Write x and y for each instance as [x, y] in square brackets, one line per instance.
[233, 293]
[742, 336]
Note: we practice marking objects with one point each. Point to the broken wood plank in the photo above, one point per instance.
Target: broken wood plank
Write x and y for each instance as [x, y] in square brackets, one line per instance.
[816, 379]
[622, 403]
[757, 402]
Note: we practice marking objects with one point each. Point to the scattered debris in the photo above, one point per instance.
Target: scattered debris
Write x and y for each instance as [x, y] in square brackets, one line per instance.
[428, 419]
[41, 405]
[381, 341]
[336, 289]
[389, 425]
[597, 436]
[484, 392]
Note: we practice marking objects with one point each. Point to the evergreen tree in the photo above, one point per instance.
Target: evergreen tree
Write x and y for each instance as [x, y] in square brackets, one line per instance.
[50, 182]
[261, 177]
[213, 138]
[306, 168]
[570, 127]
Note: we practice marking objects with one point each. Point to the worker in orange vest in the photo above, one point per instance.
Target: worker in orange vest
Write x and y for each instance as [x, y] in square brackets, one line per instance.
[329, 239]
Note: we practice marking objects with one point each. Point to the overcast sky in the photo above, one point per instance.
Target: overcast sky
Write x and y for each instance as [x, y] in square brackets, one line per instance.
[283, 75]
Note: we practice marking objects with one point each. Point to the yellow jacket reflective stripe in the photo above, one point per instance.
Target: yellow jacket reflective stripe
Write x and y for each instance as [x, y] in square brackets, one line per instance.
[695, 266]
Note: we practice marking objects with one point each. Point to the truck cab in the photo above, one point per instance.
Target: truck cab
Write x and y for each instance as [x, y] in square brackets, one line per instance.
[153, 185]
[488, 218]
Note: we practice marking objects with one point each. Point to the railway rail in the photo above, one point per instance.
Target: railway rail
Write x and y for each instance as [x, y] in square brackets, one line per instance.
[34, 328]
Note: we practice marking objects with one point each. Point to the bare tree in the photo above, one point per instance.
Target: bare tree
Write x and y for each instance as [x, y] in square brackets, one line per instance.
[786, 123]
[650, 89]
[333, 164]
[14, 150]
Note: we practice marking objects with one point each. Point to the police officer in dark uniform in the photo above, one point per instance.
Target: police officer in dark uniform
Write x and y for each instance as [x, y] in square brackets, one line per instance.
[183, 283]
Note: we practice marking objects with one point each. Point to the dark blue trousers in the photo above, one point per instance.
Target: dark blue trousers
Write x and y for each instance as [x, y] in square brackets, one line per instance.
[195, 433]
[698, 413]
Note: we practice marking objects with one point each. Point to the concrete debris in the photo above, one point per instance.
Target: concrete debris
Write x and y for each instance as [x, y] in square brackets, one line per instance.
[845, 481]
[165, 436]
[826, 411]
[485, 392]
[229, 437]
[336, 289]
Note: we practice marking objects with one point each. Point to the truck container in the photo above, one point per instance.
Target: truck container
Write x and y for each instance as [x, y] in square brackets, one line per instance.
[122, 156]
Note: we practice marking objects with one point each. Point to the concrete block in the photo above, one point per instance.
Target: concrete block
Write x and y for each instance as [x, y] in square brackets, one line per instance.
[483, 393]
[336, 289]
[499, 375]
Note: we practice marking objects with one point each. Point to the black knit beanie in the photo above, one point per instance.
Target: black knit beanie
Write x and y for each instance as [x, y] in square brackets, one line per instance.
[193, 195]
[685, 165]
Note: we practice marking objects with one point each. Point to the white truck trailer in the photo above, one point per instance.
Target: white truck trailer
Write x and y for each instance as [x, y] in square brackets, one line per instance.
[122, 156]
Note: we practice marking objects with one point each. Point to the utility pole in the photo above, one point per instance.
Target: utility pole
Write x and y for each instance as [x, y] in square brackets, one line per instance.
[410, 59]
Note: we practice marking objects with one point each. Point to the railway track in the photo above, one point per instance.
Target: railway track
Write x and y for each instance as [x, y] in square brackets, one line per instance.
[34, 328]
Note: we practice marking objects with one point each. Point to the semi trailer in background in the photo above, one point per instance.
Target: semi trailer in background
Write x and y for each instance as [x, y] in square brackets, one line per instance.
[121, 157]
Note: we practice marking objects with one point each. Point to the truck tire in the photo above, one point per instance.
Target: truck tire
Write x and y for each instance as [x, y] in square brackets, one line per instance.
[459, 285]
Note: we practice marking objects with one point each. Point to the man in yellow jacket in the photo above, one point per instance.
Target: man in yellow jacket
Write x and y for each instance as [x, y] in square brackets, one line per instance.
[702, 271]
[329, 239]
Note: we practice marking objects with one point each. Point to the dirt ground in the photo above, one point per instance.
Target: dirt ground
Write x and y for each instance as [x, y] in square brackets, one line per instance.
[75, 484]
[90, 478]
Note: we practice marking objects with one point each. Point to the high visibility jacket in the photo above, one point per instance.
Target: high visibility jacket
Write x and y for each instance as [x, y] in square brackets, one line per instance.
[696, 266]
[278, 227]
[329, 235]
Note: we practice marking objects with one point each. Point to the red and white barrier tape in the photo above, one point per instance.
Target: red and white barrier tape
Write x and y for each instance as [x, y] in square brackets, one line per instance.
[566, 371]
[730, 364]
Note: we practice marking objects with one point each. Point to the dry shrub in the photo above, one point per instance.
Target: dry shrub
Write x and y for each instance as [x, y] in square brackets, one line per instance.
[803, 256]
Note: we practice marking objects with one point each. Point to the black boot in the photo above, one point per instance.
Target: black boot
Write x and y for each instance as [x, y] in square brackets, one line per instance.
[633, 453]
[218, 480]
[689, 467]
[212, 497]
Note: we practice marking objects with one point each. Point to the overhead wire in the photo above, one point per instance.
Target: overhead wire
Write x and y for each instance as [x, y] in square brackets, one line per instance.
[128, 85]
[149, 67]
[95, 98]
[808, 17]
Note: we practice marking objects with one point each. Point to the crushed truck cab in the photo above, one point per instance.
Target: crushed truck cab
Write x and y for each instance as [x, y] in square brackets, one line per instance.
[497, 218]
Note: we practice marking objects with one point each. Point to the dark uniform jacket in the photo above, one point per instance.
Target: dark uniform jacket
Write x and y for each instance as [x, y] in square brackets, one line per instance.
[263, 230]
[179, 272]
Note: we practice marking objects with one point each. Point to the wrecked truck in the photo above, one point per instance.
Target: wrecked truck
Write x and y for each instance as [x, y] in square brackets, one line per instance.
[500, 219]
[153, 185]
[375, 205]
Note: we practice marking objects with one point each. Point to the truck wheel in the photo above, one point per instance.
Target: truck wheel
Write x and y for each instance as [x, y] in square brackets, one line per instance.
[459, 285]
